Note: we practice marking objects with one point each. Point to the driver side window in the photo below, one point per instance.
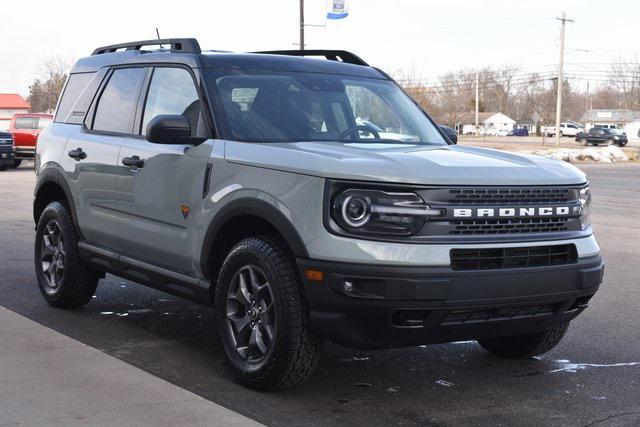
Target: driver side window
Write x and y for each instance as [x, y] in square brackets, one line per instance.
[172, 91]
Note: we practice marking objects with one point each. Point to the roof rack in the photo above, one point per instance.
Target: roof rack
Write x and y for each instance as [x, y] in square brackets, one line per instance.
[332, 55]
[177, 46]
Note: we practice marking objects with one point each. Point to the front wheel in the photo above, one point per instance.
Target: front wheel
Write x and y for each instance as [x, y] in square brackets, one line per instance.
[63, 280]
[527, 345]
[262, 316]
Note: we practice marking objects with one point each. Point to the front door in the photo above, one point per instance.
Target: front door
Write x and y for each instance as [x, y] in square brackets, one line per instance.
[160, 186]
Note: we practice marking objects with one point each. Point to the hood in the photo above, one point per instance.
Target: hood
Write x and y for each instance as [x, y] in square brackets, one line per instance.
[405, 163]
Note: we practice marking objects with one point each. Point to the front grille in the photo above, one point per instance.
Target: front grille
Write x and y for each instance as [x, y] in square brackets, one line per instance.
[509, 226]
[454, 317]
[461, 317]
[498, 258]
[484, 196]
[483, 220]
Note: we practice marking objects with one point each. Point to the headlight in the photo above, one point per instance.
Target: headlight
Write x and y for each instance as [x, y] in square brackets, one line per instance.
[585, 203]
[371, 212]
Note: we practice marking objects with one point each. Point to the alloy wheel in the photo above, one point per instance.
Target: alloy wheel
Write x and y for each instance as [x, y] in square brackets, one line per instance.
[251, 314]
[52, 256]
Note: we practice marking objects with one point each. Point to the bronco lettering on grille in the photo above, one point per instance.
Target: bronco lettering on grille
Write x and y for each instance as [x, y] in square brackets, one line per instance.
[511, 212]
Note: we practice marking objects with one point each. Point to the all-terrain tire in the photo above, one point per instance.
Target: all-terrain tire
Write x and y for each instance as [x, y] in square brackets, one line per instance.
[524, 346]
[78, 282]
[295, 351]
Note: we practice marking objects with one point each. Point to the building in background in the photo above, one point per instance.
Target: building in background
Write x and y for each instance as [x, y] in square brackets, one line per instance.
[10, 104]
[632, 129]
[491, 123]
[609, 118]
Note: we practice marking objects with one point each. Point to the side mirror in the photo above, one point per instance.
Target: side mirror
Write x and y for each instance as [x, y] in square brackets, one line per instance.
[170, 129]
[451, 133]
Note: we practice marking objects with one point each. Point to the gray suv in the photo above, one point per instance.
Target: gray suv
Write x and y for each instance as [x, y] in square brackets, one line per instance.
[305, 199]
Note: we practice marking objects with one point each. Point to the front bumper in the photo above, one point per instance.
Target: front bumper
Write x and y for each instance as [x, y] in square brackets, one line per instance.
[25, 152]
[395, 306]
[6, 157]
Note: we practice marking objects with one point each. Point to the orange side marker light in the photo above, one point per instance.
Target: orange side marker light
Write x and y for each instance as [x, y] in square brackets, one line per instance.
[315, 275]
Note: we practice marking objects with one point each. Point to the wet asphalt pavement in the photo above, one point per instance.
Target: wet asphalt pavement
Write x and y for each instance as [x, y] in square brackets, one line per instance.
[591, 378]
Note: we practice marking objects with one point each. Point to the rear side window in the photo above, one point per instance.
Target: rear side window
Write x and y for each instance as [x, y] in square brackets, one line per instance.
[116, 106]
[26, 123]
[75, 87]
[172, 91]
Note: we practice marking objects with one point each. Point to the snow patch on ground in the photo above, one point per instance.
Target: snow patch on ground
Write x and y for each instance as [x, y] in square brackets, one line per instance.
[568, 366]
[608, 154]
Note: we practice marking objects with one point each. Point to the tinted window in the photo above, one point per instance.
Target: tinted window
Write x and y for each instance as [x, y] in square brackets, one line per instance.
[25, 123]
[172, 91]
[116, 106]
[76, 84]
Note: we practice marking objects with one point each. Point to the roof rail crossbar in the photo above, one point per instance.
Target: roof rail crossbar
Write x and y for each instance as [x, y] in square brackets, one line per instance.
[177, 46]
[332, 55]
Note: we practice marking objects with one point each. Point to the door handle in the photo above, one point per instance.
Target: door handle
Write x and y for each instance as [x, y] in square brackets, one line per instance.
[77, 154]
[133, 161]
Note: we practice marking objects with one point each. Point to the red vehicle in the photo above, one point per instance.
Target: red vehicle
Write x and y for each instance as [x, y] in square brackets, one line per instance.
[25, 129]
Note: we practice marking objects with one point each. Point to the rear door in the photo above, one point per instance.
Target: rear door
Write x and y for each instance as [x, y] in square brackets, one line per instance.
[91, 156]
[161, 199]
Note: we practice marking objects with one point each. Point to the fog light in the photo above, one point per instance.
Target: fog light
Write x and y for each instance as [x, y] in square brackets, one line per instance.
[348, 287]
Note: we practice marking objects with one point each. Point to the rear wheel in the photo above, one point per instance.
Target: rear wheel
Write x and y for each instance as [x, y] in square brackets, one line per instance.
[524, 346]
[63, 280]
[263, 317]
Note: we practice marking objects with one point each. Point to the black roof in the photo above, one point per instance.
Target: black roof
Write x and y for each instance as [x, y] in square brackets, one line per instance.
[187, 52]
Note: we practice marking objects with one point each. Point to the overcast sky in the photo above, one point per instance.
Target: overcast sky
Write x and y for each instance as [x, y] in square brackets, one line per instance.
[419, 37]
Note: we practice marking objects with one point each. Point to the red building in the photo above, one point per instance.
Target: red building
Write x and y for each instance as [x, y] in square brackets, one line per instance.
[10, 104]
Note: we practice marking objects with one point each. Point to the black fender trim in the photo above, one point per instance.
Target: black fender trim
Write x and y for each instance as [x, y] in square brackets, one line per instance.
[254, 207]
[51, 174]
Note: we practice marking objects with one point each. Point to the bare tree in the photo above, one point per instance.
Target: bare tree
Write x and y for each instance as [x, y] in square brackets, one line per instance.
[624, 78]
[45, 89]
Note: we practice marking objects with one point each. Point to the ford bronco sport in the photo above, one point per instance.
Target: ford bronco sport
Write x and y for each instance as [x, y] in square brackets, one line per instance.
[304, 199]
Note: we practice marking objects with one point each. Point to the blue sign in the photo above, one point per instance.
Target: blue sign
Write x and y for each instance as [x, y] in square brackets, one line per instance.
[337, 9]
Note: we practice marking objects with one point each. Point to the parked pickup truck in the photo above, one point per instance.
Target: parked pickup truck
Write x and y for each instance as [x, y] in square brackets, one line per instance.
[597, 136]
[566, 129]
[25, 129]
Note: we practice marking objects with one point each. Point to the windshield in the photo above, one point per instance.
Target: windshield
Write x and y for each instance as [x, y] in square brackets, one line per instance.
[295, 106]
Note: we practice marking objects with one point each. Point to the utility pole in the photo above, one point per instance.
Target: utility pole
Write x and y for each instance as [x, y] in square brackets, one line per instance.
[477, 100]
[586, 106]
[560, 77]
[301, 24]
